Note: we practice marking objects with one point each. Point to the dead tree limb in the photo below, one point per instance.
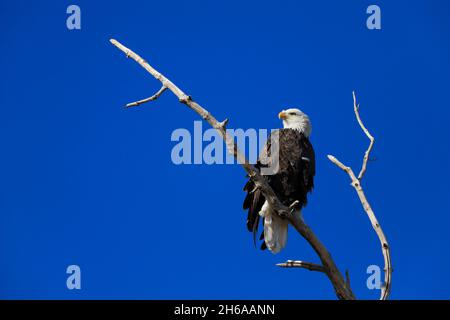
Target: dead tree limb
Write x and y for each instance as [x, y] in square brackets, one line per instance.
[342, 290]
[302, 264]
[356, 183]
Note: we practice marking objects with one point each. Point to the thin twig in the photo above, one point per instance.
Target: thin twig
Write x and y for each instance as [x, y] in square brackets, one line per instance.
[331, 270]
[356, 183]
[371, 138]
[302, 264]
[347, 277]
[152, 98]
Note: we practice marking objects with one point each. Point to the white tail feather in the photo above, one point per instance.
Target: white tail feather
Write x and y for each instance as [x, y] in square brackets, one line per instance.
[275, 229]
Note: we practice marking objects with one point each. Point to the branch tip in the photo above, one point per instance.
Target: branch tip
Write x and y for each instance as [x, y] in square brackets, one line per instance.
[347, 278]
[152, 98]
[224, 123]
[302, 264]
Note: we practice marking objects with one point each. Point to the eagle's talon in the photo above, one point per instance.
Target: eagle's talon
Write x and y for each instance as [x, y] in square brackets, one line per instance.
[285, 214]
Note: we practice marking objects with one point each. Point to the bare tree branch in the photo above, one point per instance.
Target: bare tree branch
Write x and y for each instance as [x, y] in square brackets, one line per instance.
[339, 284]
[371, 138]
[152, 98]
[302, 264]
[356, 183]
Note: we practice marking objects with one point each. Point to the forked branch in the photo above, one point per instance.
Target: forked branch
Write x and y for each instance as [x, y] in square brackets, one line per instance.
[343, 291]
[356, 183]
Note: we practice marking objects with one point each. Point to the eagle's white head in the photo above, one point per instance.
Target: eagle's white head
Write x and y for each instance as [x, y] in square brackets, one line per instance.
[296, 119]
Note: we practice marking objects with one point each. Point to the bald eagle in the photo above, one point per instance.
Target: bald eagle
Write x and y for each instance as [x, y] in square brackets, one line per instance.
[292, 180]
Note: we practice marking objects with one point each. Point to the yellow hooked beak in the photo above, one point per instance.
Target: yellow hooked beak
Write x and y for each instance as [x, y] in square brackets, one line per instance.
[282, 115]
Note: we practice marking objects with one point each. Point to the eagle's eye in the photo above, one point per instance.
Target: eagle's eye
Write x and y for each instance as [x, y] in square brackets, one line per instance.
[292, 113]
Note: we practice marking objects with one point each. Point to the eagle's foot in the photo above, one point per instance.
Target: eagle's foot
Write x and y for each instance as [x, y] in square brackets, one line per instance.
[291, 210]
[284, 214]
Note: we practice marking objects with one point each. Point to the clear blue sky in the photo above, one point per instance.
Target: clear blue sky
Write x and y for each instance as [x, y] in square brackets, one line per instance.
[85, 182]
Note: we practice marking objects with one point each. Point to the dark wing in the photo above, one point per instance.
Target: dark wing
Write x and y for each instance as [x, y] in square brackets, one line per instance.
[309, 164]
[254, 200]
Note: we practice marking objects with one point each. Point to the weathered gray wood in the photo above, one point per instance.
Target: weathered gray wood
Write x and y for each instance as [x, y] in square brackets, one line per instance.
[356, 183]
